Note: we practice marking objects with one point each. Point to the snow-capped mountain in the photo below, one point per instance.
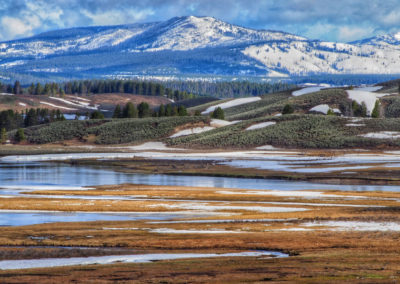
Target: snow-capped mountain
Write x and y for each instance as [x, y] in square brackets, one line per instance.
[192, 45]
[382, 40]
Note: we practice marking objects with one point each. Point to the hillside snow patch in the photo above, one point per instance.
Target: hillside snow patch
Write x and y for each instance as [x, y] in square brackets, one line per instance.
[56, 106]
[261, 125]
[190, 131]
[307, 90]
[221, 123]
[382, 135]
[232, 103]
[367, 97]
[324, 109]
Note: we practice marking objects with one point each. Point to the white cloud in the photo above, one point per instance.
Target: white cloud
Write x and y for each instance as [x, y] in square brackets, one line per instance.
[322, 19]
[12, 27]
[319, 31]
[353, 33]
[115, 17]
[393, 18]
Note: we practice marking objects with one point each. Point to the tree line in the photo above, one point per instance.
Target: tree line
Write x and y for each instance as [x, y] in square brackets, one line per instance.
[10, 119]
[228, 89]
[143, 110]
[97, 87]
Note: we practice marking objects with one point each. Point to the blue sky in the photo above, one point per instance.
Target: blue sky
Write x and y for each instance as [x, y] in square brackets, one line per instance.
[335, 20]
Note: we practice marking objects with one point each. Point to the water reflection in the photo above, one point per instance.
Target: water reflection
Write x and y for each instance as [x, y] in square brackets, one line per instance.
[32, 218]
[37, 173]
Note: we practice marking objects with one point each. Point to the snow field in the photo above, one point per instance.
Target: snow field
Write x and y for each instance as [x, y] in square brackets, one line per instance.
[195, 130]
[382, 135]
[307, 90]
[232, 103]
[137, 258]
[56, 106]
[261, 125]
[324, 108]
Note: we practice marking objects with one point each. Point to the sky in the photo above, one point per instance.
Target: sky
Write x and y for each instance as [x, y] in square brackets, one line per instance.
[332, 20]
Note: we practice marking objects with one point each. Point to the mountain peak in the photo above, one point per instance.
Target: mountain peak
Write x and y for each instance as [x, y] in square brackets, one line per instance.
[191, 32]
[391, 39]
[193, 45]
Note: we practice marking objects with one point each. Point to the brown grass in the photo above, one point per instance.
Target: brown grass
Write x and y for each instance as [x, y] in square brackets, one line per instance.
[316, 256]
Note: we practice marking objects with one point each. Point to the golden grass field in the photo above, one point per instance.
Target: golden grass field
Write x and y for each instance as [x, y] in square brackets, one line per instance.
[319, 254]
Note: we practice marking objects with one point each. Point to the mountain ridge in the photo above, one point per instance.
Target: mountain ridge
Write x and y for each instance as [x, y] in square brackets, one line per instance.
[193, 45]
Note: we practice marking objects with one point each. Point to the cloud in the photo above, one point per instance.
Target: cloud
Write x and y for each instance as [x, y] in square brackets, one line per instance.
[12, 27]
[326, 19]
[353, 33]
[114, 17]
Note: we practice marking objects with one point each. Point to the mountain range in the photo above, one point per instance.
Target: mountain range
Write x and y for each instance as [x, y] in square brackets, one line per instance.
[191, 46]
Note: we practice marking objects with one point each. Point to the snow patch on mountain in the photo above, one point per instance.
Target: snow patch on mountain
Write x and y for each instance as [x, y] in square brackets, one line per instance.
[231, 103]
[311, 57]
[226, 49]
[191, 32]
[367, 97]
[324, 108]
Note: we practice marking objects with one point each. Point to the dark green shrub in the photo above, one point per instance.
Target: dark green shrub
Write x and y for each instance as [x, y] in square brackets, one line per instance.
[117, 112]
[376, 111]
[97, 115]
[130, 111]
[218, 113]
[19, 135]
[288, 109]
[3, 136]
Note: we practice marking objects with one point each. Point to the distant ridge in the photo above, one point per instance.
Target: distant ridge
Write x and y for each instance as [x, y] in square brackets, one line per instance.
[193, 46]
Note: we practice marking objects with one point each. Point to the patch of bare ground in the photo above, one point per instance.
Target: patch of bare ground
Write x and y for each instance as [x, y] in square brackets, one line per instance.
[122, 99]
[73, 103]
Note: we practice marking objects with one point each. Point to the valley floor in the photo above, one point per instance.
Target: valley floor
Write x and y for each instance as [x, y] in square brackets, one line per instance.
[329, 236]
[343, 226]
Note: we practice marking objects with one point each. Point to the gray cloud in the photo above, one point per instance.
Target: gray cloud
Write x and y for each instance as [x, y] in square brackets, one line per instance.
[330, 20]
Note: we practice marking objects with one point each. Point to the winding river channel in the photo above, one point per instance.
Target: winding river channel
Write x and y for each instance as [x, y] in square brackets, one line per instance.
[25, 176]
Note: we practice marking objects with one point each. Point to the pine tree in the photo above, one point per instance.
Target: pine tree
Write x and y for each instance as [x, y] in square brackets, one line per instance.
[17, 88]
[3, 136]
[117, 112]
[182, 111]
[376, 112]
[130, 111]
[47, 89]
[363, 110]
[19, 135]
[174, 111]
[59, 116]
[355, 107]
[31, 118]
[144, 110]
[31, 89]
[38, 89]
[218, 113]
[97, 115]
[161, 111]
[168, 110]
